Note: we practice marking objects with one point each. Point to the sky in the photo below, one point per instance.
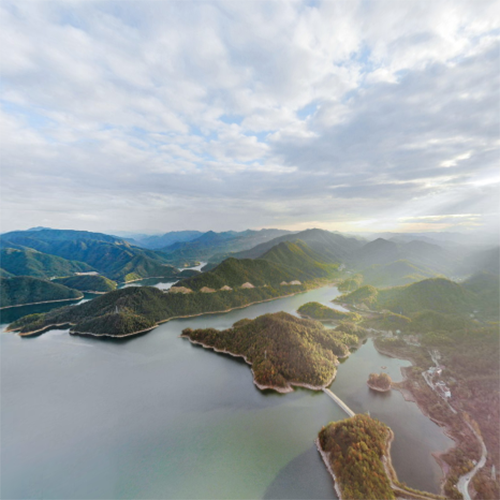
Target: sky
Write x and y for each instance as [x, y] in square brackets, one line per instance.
[154, 116]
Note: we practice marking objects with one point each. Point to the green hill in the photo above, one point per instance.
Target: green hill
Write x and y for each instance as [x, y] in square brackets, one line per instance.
[331, 247]
[149, 302]
[27, 290]
[111, 256]
[27, 262]
[87, 283]
[317, 311]
[282, 349]
[299, 255]
[264, 276]
[123, 322]
[235, 272]
[210, 244]
[437, 294]
[354, 448]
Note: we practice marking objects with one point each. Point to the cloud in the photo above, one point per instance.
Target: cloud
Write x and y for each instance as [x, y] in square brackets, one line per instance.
[216, 114]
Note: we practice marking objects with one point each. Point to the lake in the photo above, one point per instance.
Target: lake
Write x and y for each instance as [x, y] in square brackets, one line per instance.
[156, 417]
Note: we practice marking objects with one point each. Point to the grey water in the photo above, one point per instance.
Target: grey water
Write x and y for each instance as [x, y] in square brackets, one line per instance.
[156, 417]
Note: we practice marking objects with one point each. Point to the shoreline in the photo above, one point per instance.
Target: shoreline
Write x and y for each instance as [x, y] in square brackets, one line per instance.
[445, 428]
[158, 323]
[326, 460]
[378, 389]
[44, 302]
[281, 390]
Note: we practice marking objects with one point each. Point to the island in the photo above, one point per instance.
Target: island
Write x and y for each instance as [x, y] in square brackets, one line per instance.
[379, 382]
[283, 350]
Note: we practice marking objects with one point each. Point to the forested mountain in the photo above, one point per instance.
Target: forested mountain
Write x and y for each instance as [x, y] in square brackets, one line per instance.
[300, 256]
[26, 290]
[111, 256]
[233, 283]
[282, 349]
[331, 247]
[438, 294]
[167, 239]
[87, 283]
[431, 258]
[211, 243]
[28, 262]
[354, 448]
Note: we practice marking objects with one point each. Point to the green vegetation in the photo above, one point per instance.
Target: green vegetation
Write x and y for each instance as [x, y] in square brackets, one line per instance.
[364, 296]
[111, 256]
[151, 303]
[355, 447]
[87, 283]
[158, 306]
[121, 323]
[315, 310]
[437, 294]
[26, 290]
[27, 262]
[380, 382]
[282, 349]
[298, 256]
[350, 284]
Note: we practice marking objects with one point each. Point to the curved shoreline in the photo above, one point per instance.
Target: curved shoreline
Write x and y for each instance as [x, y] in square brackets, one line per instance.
[158, 323]
[386, 460]
[44, 302]
[378, 389]
[282, 390]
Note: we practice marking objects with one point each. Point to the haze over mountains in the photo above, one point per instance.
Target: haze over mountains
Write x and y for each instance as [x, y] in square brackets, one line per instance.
[46, 253]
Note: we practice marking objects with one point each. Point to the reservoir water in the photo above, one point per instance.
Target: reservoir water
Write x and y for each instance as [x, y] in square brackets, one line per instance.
[156, 417]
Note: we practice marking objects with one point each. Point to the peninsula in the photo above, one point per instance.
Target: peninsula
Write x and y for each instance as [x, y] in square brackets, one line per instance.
[283, 350]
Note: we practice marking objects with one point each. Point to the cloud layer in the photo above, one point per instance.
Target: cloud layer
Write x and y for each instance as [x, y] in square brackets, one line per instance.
[158, 115]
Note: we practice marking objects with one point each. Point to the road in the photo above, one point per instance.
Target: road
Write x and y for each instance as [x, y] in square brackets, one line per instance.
[329, 393]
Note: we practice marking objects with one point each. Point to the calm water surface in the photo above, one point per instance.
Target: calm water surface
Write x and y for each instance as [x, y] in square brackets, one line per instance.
[156, 417]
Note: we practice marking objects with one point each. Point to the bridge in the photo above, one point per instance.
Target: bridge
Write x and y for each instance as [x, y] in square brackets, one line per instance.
[330, 394]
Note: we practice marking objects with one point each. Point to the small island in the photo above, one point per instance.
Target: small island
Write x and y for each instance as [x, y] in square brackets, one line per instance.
[284, 351]
[379, 382]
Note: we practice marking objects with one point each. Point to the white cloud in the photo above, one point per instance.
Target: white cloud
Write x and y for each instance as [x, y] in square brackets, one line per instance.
[270, 113]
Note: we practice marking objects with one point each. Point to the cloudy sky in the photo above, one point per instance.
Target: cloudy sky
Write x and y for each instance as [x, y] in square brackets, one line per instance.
[153, 116]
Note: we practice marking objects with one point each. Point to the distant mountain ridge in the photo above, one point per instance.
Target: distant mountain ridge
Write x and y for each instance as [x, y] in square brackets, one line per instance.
[111, 256]
[211, 243]
[330, 247]
[21, 290]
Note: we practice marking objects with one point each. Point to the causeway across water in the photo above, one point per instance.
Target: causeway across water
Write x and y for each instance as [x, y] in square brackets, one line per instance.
[329, 393]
